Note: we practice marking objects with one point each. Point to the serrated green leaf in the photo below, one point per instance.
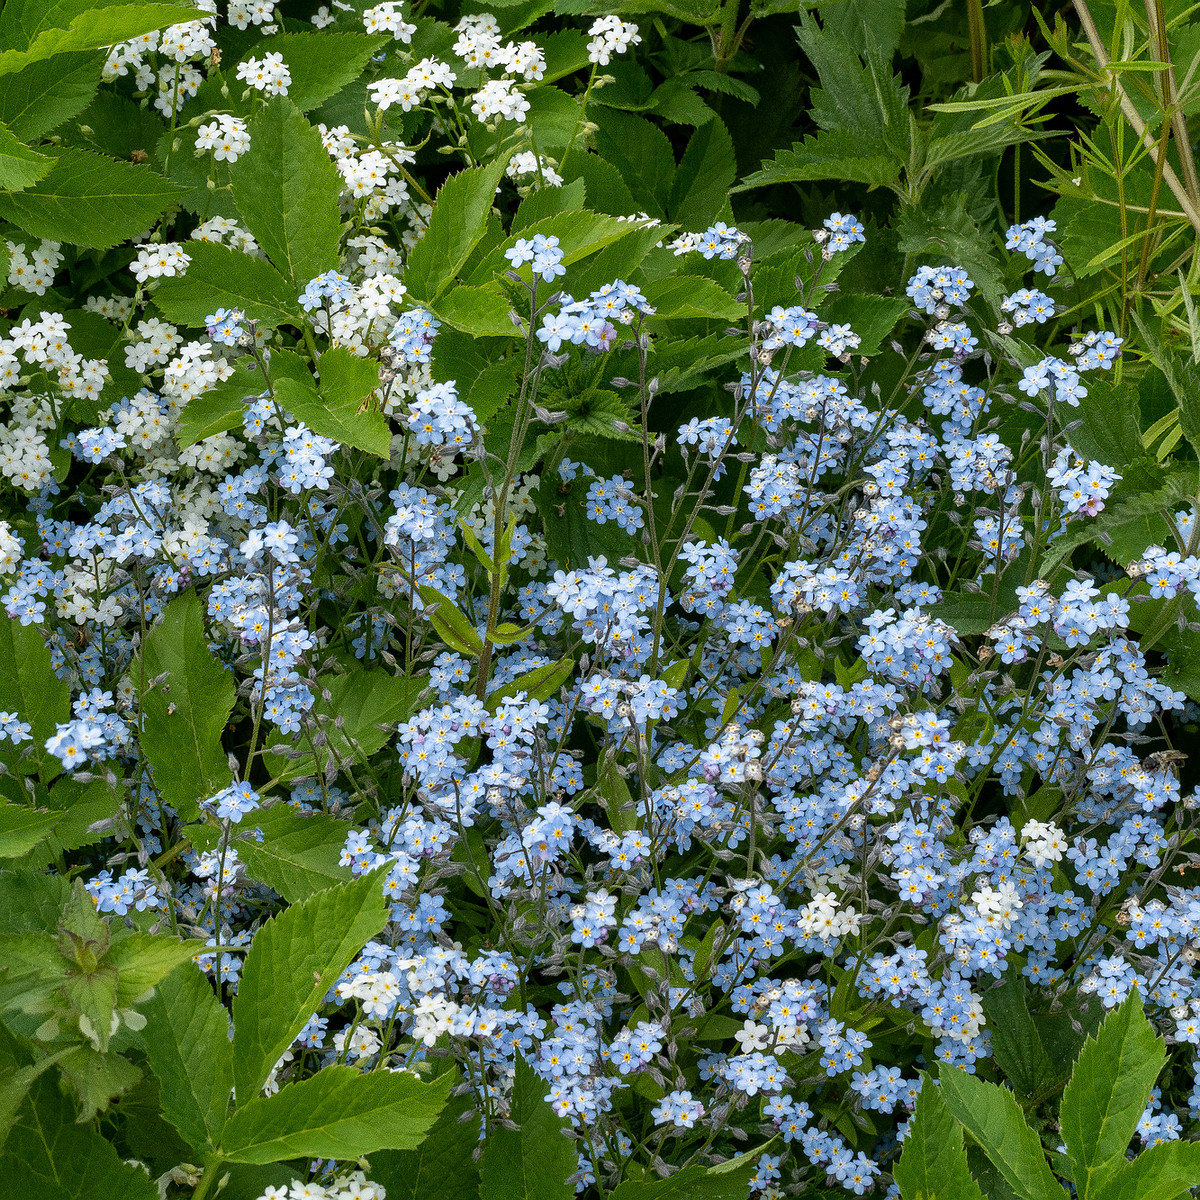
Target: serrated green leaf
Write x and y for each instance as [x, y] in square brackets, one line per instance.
[1016, 1045]
[692, 1183]
[1165, 1172]
[22, 828]
[641, 153]
[456, 226]
[480, 311]
[97, 25]
[221, 407]
[705, 174]
[299, 852]
[286, 190]
[991, 1115]
[185, 715]
[43, 95]
[188, 1047]
[442, 1167]
[1108, 1092]
[321, 64]
[338, 1113]
[294, 959]
[30, 688]
[98, 1079]
[683, 296]
[48, 1153]
[340, 405]
[143, 960]
[90, 200]
[20, 167]
[220, 277]
[535, 1161]
[933, 1165]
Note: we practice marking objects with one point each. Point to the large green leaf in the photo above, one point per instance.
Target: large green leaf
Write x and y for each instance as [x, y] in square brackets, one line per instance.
[22, 828]
[20, 167]
[184, 716]
[340, 407]
[41, 30]
[187, 1043]
[41, 96]
[362, 711]
[321, 64]
[30, 688]
[728, 1181]
[286, 189]
[455, 228]
[298, 854]
[706, 172]
[219, 277]
[143, 960]
[1108, 1092]
[49, 1154]
[295, 958]
[641, 152]
[534, 1161]
[442, 1166]
[90, 200]
[338, 1113]
[1016, 1044]
[991, 1115]
[1165, 1172]
[933, 1165]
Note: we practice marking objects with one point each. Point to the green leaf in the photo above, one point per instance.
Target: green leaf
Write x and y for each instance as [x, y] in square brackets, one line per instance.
[221, 407]
[442, 1167]
[1108, 1092]
[49, 1154]
[682, 296]
[534, 1161]
[143, 960]
[361, 702]
[452, 627]
[872, 317]
[321, 64]
[933, 1165]
[22, 828]
[299, 852]
[335, 408]
[1016, 1044]
[286, 190]
[187, 712]
[456, 226]
[187, 1044]
[295, 958]
[219, 277]
[338, 1113]
[950, 234]
[90, 200]
[30, 688]
[706, 172]
[1165, 1172]
[641, 153]
[993, 1118]
[20, 167]
[729, 1181]
[31, 901]
[481, 311]
[43, 95]
[98, 1079]
[95, 26]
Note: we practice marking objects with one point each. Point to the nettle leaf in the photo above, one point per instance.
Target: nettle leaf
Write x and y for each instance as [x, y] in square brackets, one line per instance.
[298, 854]
[456, 226]
[187, 1044]
[441, 1167]
[49, 1153]
[728, 1181]
[286, 190]
[933, 1165]
[321, 64]
[480, 311]
[184, 715]
[23, 828]
[220, 277]
[221, 407]
[534, 1161]
[295, 958]
[641, 154]
[43, 95]
[706, 172]
[90, 200]
[89, 26]
[338, 1113]
[1016, 1044]
[1164, 1172]
[1108, 1092]
[30, 688]
[143, 960]
[361, 714]
[341, 406]
[991, 1115]
[20, 167]
[683, 296]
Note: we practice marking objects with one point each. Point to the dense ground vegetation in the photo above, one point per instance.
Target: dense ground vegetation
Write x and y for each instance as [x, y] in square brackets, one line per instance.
[599, 599]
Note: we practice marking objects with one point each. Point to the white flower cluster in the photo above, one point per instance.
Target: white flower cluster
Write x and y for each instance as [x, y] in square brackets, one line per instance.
[822, 917]
[388, 18]
[1044, 842]
[33, 270]
[345, 1187]
[610, 35]
[226, 137]
[161, 261]
[269, 74]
